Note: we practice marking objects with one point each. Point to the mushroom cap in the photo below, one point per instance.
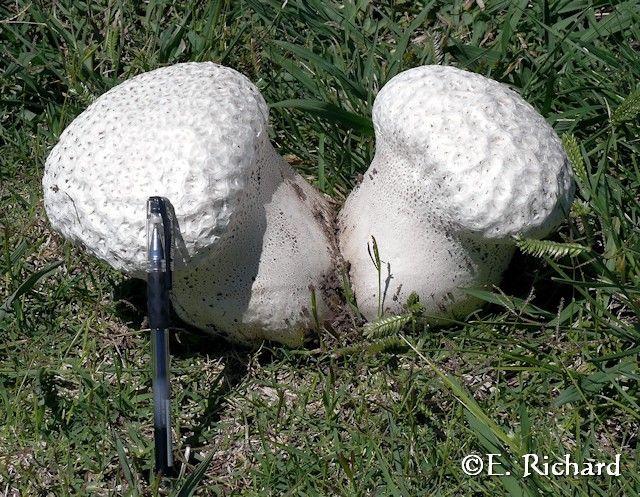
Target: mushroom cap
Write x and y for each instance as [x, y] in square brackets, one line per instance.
[491, 165]
[189, 132]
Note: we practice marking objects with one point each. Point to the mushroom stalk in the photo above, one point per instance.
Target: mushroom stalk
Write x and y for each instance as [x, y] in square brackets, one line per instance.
[430, 259]
[256, 281]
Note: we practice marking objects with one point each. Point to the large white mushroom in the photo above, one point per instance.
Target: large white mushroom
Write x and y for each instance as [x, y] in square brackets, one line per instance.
[253, 237]
[462, 165]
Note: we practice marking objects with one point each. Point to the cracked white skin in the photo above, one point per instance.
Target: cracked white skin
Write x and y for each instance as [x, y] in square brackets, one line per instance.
[251, 228]
[462, 165]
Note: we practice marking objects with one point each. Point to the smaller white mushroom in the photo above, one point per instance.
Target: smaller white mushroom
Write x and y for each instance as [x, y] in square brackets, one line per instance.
[253, 236]
[462, 165]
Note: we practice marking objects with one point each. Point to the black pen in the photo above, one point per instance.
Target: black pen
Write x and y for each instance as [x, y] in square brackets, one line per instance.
[158, 285]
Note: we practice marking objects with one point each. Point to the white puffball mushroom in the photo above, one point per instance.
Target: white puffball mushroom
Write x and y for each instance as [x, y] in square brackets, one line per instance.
[462, 166]
[253, 236]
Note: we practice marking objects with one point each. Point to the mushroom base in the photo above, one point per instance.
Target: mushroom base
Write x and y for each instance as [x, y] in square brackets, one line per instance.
[420, 252]
[437, 272]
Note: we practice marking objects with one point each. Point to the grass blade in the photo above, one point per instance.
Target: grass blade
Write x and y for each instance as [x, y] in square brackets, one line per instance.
[190, 485]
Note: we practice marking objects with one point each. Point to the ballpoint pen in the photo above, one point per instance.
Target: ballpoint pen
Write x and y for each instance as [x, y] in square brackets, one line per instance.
[158, 285]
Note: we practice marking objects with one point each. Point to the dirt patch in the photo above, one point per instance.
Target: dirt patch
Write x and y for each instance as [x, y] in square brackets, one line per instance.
[342, 321]
[299, 191]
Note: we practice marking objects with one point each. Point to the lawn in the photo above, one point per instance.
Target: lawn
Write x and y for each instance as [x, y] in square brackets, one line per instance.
[549, 366]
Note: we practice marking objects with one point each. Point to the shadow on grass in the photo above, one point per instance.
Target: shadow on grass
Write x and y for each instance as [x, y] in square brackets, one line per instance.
[187, 341]
[130, 297]
[236, 360]
[526, 274]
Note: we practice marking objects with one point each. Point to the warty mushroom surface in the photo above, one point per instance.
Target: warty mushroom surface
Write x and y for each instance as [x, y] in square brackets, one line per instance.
[253, 237]
[462, 165]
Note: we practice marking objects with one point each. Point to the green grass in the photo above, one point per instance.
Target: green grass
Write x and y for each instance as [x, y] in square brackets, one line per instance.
[549, 366]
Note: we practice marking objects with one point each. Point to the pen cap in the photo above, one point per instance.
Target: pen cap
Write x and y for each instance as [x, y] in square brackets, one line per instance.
[156, 243]
[158, 265]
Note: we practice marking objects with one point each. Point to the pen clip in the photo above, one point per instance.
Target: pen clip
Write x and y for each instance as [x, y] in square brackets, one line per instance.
[168, 242]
